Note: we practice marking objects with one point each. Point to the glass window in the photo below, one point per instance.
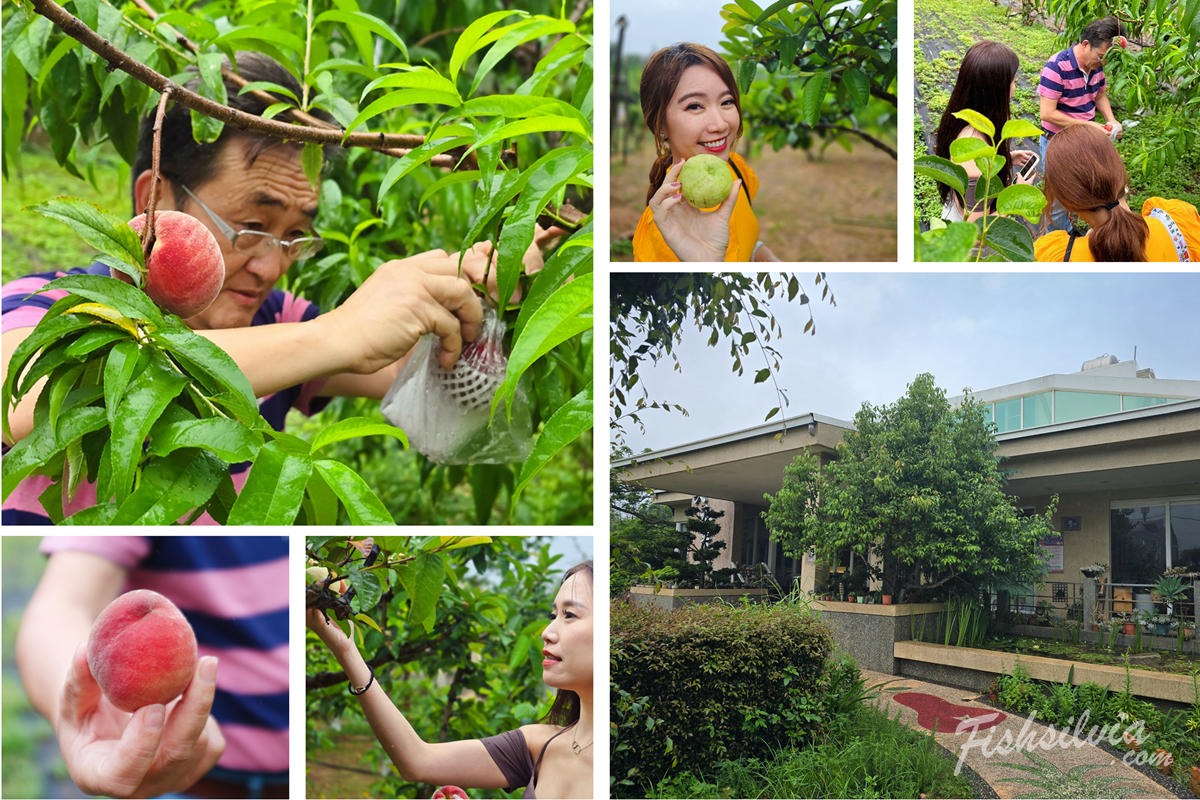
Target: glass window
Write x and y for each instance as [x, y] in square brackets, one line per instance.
[1185, 535]
[1008, 415]
[1133, 401]
[1070, 406]
[1139, 552]
[1038, 410]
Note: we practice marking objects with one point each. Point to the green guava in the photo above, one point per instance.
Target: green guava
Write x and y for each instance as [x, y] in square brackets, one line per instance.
[705, 180]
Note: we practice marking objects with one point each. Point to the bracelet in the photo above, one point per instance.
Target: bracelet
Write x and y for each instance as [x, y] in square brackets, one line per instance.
[363, 690]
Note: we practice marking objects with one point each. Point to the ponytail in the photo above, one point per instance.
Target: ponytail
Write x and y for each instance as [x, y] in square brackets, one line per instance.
[658, 171]
[1122, 237]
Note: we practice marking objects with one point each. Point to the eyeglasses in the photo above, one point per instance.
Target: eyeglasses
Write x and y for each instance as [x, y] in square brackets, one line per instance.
[260, 243]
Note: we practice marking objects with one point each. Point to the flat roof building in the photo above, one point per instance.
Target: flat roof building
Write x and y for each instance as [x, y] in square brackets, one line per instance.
[1118, 445]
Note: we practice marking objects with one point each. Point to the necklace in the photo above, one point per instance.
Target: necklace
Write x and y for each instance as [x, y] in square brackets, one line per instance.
[575, 746]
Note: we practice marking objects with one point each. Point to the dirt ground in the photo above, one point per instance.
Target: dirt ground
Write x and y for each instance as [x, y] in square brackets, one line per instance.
[836, 207]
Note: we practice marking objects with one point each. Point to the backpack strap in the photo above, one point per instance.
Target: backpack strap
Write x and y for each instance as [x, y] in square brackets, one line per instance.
[1071, 237]
[738, 172]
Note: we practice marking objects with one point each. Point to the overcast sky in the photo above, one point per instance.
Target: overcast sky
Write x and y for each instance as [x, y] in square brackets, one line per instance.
[972, 330]
[654, 24]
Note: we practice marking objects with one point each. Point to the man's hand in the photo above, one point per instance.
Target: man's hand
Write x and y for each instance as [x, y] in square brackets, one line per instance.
[479, 261]
[692, 235]
[156, 750]
[401, 302]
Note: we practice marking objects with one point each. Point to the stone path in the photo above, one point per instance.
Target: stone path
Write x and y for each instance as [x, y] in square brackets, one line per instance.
[991, 733]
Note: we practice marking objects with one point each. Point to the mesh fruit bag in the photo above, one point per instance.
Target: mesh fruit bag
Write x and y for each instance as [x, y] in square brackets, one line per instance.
[445, 413]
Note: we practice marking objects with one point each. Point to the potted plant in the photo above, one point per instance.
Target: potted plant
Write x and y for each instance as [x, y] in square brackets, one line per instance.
[887, 599]
[1170, 590]
[1127, 624]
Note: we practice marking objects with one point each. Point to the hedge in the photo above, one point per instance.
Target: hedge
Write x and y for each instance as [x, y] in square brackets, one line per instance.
[705, 683]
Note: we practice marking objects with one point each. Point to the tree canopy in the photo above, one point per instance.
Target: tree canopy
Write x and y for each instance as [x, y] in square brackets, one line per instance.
[918, 486]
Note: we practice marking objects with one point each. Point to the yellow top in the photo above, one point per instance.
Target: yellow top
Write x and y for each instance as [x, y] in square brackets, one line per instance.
[1159, 247]
[649, 245]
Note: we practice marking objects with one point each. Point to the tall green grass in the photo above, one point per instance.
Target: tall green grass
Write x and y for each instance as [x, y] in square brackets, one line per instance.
[867, 755]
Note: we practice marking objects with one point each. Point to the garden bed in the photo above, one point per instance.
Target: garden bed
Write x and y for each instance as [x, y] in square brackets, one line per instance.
[1167, 660]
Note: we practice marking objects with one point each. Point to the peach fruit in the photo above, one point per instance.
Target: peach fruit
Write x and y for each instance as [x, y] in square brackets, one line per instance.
[450, 793]
[141, 650]
[317, 575]
[185, 270]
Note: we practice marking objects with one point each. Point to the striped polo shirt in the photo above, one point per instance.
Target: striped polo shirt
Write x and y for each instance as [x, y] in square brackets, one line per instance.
[233, 591]
[22, 309]
[1075, 90]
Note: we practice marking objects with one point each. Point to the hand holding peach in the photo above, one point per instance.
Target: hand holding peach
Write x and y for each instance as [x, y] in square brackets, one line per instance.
[155, 750]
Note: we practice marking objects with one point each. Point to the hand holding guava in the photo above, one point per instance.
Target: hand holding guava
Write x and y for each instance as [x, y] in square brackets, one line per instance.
[693, 235]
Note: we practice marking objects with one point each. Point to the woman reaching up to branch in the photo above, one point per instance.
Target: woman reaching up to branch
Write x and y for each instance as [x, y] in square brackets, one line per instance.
[552, 758]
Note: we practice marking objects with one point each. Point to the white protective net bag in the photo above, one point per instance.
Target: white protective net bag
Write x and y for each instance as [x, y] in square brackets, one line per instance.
[445, 412]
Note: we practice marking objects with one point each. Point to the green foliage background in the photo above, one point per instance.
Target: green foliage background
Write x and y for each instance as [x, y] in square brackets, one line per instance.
[530, 77]
[456, 627]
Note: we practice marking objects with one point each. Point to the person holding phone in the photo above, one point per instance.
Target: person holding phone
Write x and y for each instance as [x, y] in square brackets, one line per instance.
[987, 80]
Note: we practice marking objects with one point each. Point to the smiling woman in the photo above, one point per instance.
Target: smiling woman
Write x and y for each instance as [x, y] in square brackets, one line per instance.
[691, 105]
[552, 758]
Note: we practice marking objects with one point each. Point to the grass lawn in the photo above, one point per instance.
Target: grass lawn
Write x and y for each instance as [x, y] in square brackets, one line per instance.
[33, 243]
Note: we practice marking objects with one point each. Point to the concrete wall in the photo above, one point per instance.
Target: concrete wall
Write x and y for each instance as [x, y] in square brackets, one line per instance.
[670, 599]
[868, 633]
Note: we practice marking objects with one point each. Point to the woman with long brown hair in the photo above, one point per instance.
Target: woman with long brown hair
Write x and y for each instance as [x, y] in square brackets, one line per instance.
[691, 105]
[987, 79]
[550, 759]
[1085, 174]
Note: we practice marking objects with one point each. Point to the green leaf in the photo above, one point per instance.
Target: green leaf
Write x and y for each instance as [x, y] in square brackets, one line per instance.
[747, 69]
[423, 582]
[107, 233]
[1016, 128]
[320, 503]
[568, 260]
[360, 19]
[1027, 201]
[968, 148]
[312, 157]
[148, 395]
[123, 360]
[858, 85]
[354, 427]
[41, 445]
[215, 370]
[271, 34]
[977, 121]
[1009, 238]
[772, 10]
[528, 30]
[566, 424]
[942, 170]
[205, 129]
[952, 243]
[130, 301]
[171, 488]
[227, 438]
[813, 97]
[469, 41]
[274, 489]
[415, 158]
[544, 182]
[564, 314]
[362, 504]
[541, 124]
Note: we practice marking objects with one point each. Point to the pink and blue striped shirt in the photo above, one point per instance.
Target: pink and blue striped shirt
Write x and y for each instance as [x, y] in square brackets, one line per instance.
[234, 592]
[1074, 89]
[22, 309]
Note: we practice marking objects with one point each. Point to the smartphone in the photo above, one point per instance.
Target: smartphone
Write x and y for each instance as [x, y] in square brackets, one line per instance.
[1030, 165]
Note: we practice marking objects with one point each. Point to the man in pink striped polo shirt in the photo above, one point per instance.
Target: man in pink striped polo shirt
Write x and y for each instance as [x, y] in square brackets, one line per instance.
[1073, 87]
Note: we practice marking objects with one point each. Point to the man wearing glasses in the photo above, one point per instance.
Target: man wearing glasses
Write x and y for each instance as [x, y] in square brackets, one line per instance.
[253, 195]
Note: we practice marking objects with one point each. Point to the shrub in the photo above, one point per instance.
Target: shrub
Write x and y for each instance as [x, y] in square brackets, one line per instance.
[713, 683]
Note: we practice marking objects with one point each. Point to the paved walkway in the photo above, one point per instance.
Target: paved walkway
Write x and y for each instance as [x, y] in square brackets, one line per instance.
[922, 706]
